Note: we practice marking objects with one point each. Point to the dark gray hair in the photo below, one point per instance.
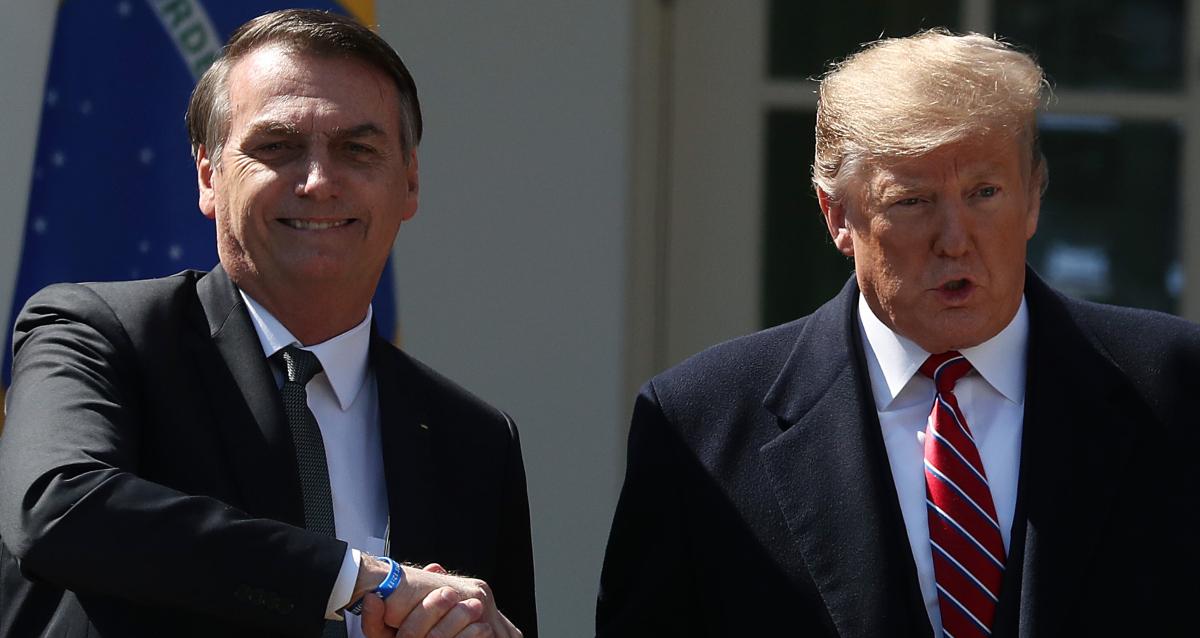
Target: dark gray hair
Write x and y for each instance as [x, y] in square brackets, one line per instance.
[303, 31]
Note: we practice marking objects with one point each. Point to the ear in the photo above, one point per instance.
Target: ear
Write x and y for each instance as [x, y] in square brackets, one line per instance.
[835, 220]
[412, 177]
[1035, 209]
[204, 179]
[1031, 220]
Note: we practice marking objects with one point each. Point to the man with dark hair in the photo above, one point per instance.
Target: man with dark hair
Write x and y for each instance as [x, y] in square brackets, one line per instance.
[238, 452]
[948, 447]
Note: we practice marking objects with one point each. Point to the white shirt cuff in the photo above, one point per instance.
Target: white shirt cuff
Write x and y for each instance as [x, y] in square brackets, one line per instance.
[343, 587]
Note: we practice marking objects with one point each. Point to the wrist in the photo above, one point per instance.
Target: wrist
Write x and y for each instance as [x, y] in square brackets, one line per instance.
[376, 575]
[371, 570]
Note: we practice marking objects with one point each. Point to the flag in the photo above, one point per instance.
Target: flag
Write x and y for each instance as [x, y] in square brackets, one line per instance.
[114, 194]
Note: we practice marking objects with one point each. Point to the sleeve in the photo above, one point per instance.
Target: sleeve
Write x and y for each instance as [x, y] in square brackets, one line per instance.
[343, 587]
[75, 513]
[645, 589]
[514, 588]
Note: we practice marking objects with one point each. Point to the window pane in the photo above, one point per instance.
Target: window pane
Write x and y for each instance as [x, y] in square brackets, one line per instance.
[1109, 224]
[1133, 44]
[801, 267]
[805, 36]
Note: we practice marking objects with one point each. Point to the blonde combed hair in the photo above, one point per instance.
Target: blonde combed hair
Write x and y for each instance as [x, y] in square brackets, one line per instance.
[905, 97]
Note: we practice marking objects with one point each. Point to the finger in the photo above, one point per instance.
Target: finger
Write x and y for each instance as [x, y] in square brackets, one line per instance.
[372, 618]
[475, 588]
[424, 616]
[458, 619]
[435, 568]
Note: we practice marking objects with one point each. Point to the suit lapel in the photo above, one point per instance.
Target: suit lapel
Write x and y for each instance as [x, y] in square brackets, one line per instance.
[407, 453]
[831, 477]
[1080, 415]
[247, 404]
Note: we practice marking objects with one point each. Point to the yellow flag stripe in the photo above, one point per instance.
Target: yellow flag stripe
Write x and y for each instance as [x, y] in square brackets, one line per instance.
[364, 10]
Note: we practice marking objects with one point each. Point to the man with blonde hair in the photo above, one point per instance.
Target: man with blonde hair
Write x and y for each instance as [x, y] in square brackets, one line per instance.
[948, 447]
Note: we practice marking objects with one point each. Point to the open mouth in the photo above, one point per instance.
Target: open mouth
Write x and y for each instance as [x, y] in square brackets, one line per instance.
[956, 291]
[308, 224]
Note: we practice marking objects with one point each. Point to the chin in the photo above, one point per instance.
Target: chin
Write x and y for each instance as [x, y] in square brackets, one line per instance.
[951, 334]
[959, 340]
[315, 267]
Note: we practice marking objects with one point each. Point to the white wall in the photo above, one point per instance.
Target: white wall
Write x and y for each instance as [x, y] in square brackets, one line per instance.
[511, 276]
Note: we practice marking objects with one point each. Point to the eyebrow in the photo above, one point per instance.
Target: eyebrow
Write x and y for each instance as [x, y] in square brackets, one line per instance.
[354, 132]
[896, 188]
[275, 127]
[899, 180]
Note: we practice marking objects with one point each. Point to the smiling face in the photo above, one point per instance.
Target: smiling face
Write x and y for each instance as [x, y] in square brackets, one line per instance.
[938, 241]
[312, 184]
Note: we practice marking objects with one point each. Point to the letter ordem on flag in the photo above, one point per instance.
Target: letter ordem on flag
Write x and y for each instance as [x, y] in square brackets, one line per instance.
[113, 194]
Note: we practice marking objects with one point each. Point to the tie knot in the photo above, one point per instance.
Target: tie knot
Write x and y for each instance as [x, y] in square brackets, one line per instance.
[300, 366]
[946, 369]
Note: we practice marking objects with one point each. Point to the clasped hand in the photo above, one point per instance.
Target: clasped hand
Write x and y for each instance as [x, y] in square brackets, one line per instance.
[432, 603]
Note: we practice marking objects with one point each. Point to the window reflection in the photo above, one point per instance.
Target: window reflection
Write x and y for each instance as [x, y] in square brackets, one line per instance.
[1101, 44]
[806, 36]
[801, 267]
[1109, 224]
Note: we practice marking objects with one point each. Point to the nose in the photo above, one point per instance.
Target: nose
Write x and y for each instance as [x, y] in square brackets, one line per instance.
[318, 180]
[953, 236]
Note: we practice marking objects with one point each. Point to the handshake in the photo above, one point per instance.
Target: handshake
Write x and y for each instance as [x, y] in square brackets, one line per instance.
[428, 602]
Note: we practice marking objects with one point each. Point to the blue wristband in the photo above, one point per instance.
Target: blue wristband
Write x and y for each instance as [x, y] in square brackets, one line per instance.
[389, 584]
[385, 587]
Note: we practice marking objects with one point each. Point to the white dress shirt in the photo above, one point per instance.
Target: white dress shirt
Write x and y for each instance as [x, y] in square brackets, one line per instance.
[343, 398]
[992, 399]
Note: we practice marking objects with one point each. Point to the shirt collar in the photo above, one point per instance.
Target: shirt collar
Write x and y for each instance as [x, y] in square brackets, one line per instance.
[343, 358]
[895, 359]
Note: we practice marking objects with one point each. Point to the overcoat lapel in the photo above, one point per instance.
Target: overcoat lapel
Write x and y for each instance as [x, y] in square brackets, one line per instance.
[407, 454]
[247, 403]
[1080, 415]
[831, 477]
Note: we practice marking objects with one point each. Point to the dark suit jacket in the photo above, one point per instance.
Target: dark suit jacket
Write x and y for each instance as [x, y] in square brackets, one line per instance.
[148, 484]
[758, 499]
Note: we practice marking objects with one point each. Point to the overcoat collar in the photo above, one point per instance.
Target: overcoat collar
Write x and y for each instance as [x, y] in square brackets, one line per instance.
[831, 476]
[1082, 419]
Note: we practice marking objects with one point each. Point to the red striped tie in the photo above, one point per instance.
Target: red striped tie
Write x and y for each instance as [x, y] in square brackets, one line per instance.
[968, 553]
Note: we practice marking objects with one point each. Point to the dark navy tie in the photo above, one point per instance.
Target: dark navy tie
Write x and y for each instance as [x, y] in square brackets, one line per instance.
[299, 367]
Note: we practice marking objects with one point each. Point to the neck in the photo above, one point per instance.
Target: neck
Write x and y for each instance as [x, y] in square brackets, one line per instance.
[313, 316]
